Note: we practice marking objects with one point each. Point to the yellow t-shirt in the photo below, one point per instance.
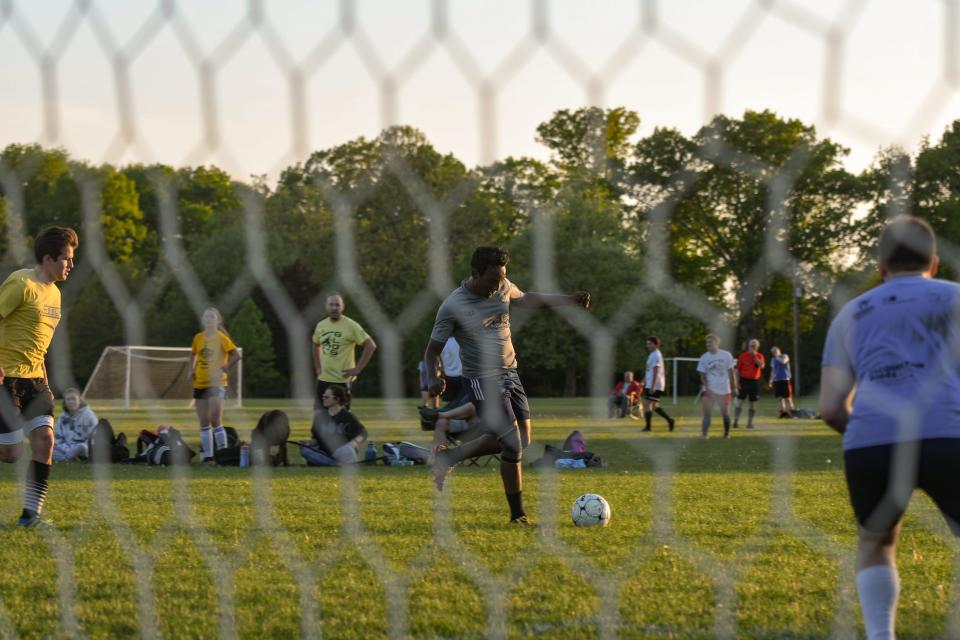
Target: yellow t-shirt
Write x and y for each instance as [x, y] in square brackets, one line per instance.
[29, 314]
[212, 353]
[337, 341]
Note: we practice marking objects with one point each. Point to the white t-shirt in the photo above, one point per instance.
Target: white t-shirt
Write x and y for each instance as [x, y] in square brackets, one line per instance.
[715, 367]
[655, 359]
[450, 357]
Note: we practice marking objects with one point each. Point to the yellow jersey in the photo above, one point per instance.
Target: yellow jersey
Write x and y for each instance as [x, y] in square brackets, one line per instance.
[29, 314]
[337, 341]
[212, 353]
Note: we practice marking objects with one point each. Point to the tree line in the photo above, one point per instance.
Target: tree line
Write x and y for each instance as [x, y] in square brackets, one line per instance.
[674, 235]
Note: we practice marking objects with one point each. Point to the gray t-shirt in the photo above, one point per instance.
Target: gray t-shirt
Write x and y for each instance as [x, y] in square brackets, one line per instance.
[901, 343]
[481, 326]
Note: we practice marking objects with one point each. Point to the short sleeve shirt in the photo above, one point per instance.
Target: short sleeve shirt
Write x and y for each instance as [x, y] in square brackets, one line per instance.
[212, 353]
[29, 315]
[338, 341]
[781, 367]
[901, 343]
[715, 367]
[747, 366]
[658, 383]
[481, 326]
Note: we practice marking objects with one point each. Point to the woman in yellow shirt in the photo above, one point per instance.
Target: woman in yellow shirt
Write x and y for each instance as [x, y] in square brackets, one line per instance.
[213, 352]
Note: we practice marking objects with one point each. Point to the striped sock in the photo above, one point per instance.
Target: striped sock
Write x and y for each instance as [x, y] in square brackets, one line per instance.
[35, 490]
[220, 437]
[206, 442]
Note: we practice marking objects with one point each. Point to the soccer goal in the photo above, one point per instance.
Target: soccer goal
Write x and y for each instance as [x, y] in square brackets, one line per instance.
[144, 374]
[684, 376]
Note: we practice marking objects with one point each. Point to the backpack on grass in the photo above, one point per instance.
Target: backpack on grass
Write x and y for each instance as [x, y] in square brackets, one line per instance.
[105, 447]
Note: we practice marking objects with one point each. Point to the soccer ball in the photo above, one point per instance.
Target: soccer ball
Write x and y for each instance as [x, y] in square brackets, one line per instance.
[590, 510]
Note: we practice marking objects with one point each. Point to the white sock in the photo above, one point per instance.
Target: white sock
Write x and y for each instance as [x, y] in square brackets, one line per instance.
[220, 437]
[206, 442]
[879, 588]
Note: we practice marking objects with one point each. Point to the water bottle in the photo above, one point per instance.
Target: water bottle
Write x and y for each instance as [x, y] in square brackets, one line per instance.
[370, 457]
[244, 455]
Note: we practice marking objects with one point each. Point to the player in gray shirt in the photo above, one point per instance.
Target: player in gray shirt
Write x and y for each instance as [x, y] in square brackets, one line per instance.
[477, 314]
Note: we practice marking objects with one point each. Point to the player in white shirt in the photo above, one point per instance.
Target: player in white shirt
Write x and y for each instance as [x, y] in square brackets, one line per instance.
[716, 369]
[654, 385]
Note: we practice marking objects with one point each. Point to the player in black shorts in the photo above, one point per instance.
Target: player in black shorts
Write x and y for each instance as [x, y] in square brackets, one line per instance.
[890, 384]
[29, 315]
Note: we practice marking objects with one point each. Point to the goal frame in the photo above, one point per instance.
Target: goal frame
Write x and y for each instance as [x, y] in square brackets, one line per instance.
[673, 373]
[128, 350]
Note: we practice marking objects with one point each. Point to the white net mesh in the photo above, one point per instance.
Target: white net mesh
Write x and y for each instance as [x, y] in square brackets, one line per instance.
[690, 231]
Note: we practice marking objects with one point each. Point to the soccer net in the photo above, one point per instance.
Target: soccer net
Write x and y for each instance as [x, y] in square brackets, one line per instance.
[140, 375]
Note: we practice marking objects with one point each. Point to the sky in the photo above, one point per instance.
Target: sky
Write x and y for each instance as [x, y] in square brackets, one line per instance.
[254, 87]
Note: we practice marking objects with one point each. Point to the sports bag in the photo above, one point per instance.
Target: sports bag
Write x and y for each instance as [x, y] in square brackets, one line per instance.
[105, 446]
[394, 452]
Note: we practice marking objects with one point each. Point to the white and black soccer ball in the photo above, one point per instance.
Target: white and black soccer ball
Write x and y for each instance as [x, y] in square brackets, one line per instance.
[590, 510]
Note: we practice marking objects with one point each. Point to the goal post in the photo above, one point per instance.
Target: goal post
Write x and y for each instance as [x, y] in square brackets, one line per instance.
[145, 374]
[686, 381]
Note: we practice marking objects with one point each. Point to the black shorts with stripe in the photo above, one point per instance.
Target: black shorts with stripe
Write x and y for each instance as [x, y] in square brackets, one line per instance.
[25, 403]
[502, 394]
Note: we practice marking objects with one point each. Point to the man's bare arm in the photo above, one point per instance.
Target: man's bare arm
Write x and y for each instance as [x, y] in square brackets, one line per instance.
[837, 388]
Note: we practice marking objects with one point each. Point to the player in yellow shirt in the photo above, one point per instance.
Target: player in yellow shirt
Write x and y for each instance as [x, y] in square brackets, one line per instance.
[29, 314]
[212, 354]
[334, 359]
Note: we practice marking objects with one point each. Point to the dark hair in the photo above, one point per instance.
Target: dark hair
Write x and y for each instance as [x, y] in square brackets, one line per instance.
[907, 243]
[655, 340]
[52, 241]
[486, 257]
[340, 393]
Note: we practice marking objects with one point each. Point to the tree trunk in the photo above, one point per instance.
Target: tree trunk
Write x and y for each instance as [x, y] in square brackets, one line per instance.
[570, 381]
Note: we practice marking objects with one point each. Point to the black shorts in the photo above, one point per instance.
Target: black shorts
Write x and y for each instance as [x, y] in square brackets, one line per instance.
[782, 389]
[503, 393]
[209, 392]
[453, 388]
[749, 389]
[322, 386]
[25, 404]
[869, 469]
[652, 395]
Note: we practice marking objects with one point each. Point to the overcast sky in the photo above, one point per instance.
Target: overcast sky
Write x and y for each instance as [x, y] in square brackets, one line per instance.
[476, 76]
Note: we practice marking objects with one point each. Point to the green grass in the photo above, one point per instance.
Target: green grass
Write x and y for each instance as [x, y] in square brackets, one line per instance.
[751, 537]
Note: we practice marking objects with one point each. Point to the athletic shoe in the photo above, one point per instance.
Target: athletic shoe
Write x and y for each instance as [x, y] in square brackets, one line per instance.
[704, 436]
[523, 521]
[209, 462]
[428, 418]
[645, 429]
[749, 426]
[726, 436]
[671, 424]
[33, 522]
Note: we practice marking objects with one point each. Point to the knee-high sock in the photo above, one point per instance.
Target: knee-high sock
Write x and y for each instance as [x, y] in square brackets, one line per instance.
[879, 589]
[705, 425]
[35, 490]
[663, 414]
[206, 442]
[511, 475]
[736, 412]
[726, 425]
[647, 417]
[220, 437]
[750, 414]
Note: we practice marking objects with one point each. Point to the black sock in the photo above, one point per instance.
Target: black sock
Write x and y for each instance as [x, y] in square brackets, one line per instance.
[647, 417]
[35, 489]
[663, 414]
[515, 500]
[726, 425]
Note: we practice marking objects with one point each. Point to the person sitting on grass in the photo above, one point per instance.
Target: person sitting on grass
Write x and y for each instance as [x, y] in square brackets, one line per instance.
[73, 428]
[338, 438]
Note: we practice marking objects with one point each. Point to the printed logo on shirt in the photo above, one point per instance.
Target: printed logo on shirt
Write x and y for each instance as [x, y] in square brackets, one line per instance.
[331, 342]
[50, 312]
[895, 372]
[500, 321]
[864, 307]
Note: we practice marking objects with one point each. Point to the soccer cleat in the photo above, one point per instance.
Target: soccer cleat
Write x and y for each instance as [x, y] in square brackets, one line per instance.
[523, 521]
[645, 429]
[726, 436]
[33, 522]
[671, 424]
[428, 418]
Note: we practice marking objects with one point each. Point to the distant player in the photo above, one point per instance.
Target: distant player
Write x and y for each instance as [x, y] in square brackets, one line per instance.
[750, 366]
[335, 340]
[212, 353]
[29, 314]
[780, 381]
[719, 383]
[452, 368]
[477, 314]
[891, 385]
[654, 385]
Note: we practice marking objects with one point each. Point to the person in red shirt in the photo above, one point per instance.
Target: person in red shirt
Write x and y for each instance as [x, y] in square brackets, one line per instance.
[749, 371]
[624, 395]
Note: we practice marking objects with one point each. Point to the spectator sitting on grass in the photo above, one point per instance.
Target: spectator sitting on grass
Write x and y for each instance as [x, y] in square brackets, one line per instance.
[73, 428]
[338, 438]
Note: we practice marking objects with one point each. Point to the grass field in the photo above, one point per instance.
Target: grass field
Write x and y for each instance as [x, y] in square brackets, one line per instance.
[749, 537]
